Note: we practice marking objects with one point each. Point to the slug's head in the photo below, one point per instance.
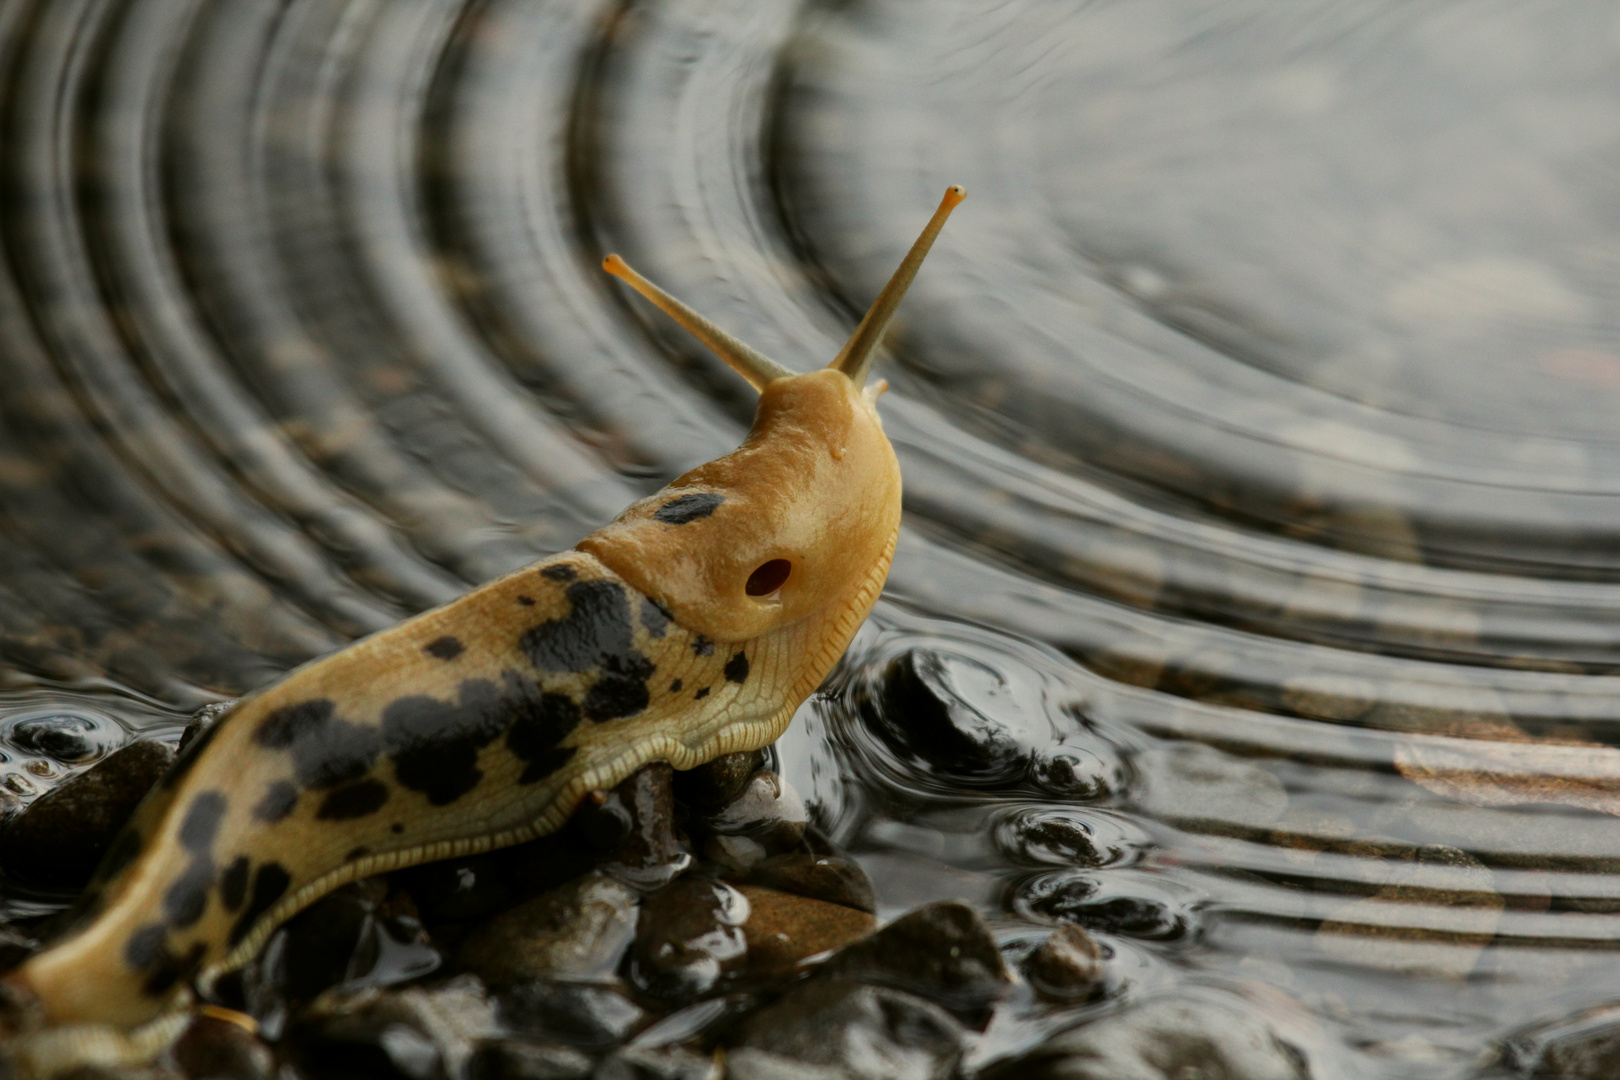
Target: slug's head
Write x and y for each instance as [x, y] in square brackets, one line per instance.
[798, 520]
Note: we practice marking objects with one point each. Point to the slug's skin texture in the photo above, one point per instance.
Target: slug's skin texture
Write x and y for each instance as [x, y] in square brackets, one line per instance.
[690, 627]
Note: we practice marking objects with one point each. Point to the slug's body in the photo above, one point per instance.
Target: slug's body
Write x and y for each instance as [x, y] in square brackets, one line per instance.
[692, 626]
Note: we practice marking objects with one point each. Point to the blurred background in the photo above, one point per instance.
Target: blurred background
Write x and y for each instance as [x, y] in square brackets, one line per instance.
[1258, 601]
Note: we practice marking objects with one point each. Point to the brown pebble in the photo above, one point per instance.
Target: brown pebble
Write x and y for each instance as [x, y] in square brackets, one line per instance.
[783, 929]
[212, 1047]
[577, 929]
[821, 877]
[1066, 966]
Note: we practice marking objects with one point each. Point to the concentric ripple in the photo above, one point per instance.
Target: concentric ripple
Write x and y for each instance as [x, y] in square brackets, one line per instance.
[1258, 604]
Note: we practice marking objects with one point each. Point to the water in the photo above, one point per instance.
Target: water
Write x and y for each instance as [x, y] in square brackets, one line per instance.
[1257, 415]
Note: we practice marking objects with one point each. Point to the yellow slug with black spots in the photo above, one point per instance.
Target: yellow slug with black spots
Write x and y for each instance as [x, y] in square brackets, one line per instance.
[691, 626]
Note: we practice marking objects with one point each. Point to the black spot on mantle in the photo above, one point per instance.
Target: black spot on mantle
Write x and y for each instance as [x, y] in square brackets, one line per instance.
[736, 669]
[655, 617]
[444, 648]
[702, 646]
[354, 800]
[326, 749]
[559, 572]
[687, 508]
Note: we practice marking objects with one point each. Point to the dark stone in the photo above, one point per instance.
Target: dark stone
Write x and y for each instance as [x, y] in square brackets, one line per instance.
[713, 785]
[1171, 1037]
[513, 1059]
[1585, 1046]
[768, 811]
[1066, 967]
[870, 1032]
[587, 1016]
[657, 1063]
[1078, 899]
[942, 951]
[689, 937]
[684, 509]
[214, 1049]
[203, 720]
[417, 1033]
[349, 933]
[579, 929]
[635, 827]
[62, 835]
[821, 877]
[454, 890]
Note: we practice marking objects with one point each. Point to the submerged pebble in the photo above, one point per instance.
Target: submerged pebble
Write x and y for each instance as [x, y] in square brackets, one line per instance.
[783, 929]
[689, 936]
[868, 1032]
[820, 877]
[1066, 967]
[212, 1048]
[943, 951]
[585, 1015]
[517, 1059]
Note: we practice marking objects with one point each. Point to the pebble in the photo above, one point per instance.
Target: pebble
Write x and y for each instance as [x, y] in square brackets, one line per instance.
[783, 929]
[658, 1063]
[361, 930]
[62, 835]
[711, 786]
[1176, 1037]
[925, 711]
[578, 929]
[942, 951]
[1066, 967]
[588, 1016]
[212, 1048]
[688, 937]
[820, 877]
[768, 812]
[750, 1063]
[634, 826]
[514, 1059]
[867, 1032]
[419, 1034]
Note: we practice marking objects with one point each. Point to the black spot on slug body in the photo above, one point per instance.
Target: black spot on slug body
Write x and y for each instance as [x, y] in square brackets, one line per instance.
[688, 508]
[655, 617]
[172, 969]
[559, 572]
[675, 687]
[269, 883]
[597, 626]
[201, 822]
[326, 749]
[444, 648]
[354, 800]
[736, 669]
[526, 601]
[187, 899]
[545, 763]
[233, 883]
[435, 743]
[357, 853]
[701, 694]
[146, 947]
[702, 646]
[279, 800]
[596, 636]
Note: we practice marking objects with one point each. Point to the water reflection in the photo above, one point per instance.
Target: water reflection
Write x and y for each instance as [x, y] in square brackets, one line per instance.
[1256, 606]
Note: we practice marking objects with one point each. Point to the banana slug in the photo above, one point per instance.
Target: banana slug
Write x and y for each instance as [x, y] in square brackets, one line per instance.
[691, 626]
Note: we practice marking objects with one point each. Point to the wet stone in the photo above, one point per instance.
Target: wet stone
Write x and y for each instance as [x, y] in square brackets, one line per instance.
[1066, 967]
[418, 1034]
[203, 719]
[711, 786]
[783, 929]
[1171, 1038]
[749, 1063]
[688, 937]
[658, 1063]
[577, 929]
[515, 1059]
[943, 951]
[956, 714]
[454, 890]
[1583, 1047]
[768, 812]
[868, 1032]
[586, 1016]
[820, 877]
[634, 825]
[212, 1048]
[61, 837]
[359, 930]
